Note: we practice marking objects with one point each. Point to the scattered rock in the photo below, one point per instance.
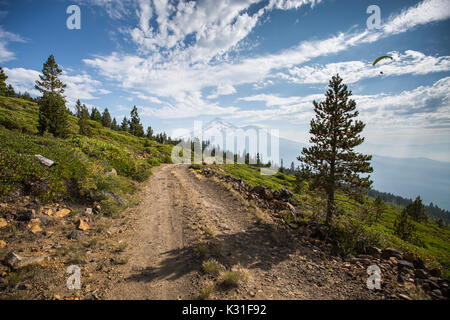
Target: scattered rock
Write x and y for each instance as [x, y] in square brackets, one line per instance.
[48, 212]
[82, 225]
[88, 211]
[2, 244]
[373, 251]
[421, 274]
[97, 208]
[408, 256]
[404, 296]
[25, 215]
[15, 261]
[435, 272]
[437, 292]
[62, 213]
[34, 226]
[3, 223]
[390, 252]
[418, 263]
[44, 161]
[76, 234]
[403, 264]
[433, 285]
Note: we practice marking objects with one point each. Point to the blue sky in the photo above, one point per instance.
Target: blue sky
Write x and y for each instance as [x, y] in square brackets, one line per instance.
[249, 62]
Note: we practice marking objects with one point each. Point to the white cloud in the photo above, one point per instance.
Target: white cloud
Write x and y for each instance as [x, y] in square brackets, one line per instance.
[79, 86]
[422, 107]
[222, 90]
[5, 38]
[411, 62]
[424, 12]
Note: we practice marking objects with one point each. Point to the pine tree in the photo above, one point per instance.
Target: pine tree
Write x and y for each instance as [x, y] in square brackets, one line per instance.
[379, 207]
[331, 158]
[124, 125]
[52, 115]
[292, 167]
[403, 228]
[49, 82]
[10, 91]
[106, 118]
[149, 132]
[78, 108]
[136, 127]
[83, 123]
[114, 125]
[96, 115]
[3, 78]
[52, 106]
[417, 210]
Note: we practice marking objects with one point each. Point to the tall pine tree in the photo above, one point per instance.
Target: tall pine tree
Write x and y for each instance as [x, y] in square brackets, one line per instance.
[136, 127]
[52, 106]
[3, 78]
[78, 108]
[106, 118]
[83, 121]
[124, 126]
[49, 81]
[96, 115]
[334, 134]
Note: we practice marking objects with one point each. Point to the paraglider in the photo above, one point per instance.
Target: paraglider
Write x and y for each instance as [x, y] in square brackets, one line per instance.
[381, 58]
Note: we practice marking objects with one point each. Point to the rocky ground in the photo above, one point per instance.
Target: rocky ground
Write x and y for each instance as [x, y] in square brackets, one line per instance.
[193, 235]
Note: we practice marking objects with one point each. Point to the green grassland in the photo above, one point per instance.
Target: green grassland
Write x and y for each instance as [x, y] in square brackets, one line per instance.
[353, 224]
[84, 164]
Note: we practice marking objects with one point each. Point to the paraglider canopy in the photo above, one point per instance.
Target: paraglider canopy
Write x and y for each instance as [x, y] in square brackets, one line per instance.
[381, 58]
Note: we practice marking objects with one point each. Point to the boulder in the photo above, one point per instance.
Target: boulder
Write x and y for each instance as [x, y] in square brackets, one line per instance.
[435, 272]
[390, 252]
[2, 244]
[373, 251]
[25, 215]
[282, 194]
[76, 234]
[44, 161]
[15, 261]
[421, 274]
[433, 285]
[408, 256]
[88, 211]
[62, 213]
[403, 264]
[418, 263]
[3, 223]
[82, 225]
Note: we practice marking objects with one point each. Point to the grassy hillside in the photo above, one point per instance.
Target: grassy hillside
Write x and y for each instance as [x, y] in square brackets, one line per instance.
[353, 224]
[84, 165]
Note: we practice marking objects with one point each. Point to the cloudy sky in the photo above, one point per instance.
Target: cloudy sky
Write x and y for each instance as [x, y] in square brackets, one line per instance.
[250, 62]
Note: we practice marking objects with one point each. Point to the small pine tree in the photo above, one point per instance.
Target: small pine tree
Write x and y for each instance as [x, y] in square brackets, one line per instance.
[10, 91]
[106, 118]
[96, 115]
[78, 108]
[83, 123]
[136, 127]
[114, 125]
[292, 167]
[334, 135]
[149, 132]
[124, 125]
[416, 210]
[3, 78]
[403, 228]
[379, 208]
[49, 82]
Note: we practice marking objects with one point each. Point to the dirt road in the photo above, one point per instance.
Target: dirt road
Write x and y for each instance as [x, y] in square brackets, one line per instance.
[184, 218]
